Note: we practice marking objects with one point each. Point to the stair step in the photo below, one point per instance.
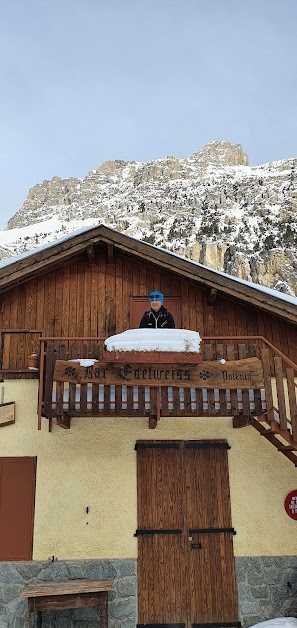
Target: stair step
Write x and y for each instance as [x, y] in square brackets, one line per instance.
[271, 434]
[283, 433]
[263, 431]
[280, 430]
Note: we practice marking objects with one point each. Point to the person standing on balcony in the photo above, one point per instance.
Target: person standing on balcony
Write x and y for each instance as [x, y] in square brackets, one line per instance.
[157, 317]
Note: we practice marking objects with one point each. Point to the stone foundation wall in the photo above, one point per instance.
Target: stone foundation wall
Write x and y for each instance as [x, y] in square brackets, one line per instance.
[16, 576]
[267, 588]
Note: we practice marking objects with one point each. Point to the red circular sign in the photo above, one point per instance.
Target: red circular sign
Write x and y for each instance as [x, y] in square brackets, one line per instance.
[291, 504]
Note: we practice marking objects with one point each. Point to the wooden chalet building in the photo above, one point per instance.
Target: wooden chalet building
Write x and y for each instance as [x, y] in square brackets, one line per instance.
[155, 487]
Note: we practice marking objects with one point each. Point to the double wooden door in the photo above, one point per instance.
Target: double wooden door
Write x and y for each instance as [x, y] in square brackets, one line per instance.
[186, 575]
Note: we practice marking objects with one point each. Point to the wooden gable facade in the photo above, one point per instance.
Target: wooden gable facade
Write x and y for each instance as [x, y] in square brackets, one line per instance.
[85, 286]
[63, 301]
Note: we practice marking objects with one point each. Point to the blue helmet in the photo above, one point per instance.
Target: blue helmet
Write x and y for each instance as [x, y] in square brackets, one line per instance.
[156, 296]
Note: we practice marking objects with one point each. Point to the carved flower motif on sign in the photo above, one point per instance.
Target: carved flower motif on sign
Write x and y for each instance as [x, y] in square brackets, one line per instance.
[70, 371]
[204, 374]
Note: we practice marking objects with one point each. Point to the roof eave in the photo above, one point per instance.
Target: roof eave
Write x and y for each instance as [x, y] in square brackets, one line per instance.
[51, 257]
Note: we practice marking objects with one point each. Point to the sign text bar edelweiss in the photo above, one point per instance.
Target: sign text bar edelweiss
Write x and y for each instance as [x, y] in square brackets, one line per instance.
[246, 373]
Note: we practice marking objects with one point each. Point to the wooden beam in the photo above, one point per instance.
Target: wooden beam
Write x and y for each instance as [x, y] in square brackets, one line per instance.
[155, 408]
[64, 421]
[241, 420]
[152, 421]
[212, 295]
[91, 254]
[110, 253]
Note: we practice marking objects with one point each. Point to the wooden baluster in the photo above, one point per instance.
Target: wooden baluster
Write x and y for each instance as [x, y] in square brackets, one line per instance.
[107, 401]
[199, 403]
[292, 402]
[48, 385]
[245, 393]
[154, 410]
[95, 399]
[83, 387]
[222, 393]
[130, 400]
[279, 376]
[118, 399]
[164, 400]
[208, 352]
[187, 401]
[267, 384]
[141, 401]
[233, 393]
[253, 349]
[60, 385]
[72, 387]
[176, 402]
[41, 385]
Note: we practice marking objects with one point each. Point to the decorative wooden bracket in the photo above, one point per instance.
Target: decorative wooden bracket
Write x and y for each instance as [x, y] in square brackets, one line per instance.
[212, 296]
[91, 254]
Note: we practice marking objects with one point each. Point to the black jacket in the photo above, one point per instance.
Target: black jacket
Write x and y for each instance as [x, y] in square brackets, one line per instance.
[158, 320]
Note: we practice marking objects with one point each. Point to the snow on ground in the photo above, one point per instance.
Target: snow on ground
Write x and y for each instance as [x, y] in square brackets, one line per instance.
[278, 622]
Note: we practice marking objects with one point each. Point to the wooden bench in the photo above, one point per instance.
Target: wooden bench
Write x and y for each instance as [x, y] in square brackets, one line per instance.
[45, 596]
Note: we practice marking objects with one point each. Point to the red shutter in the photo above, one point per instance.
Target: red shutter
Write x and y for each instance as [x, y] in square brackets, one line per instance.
[17, 496]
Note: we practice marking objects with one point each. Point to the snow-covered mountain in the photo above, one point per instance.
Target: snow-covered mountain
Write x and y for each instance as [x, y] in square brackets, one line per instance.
[212, 207]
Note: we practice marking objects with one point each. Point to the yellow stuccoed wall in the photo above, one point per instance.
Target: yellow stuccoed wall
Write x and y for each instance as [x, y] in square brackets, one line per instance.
[94, 465]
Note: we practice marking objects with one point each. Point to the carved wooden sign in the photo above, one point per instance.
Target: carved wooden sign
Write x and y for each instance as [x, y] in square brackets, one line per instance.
[246, 373]
[7, 413]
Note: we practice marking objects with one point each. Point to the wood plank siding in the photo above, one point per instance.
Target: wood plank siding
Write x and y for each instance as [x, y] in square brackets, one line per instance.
[80, 298]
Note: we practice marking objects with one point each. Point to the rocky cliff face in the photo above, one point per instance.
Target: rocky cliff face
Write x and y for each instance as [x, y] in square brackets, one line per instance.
[211, 207]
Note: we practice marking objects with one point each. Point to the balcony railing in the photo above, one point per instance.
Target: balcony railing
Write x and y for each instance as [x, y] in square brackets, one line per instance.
[276, 400]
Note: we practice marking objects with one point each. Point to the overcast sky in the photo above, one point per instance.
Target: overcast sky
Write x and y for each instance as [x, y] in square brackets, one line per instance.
[83, 81]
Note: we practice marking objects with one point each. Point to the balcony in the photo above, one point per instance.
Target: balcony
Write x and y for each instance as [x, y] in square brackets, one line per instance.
[62, 400]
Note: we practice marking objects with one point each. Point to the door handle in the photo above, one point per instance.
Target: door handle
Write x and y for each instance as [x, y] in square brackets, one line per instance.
[196, 545]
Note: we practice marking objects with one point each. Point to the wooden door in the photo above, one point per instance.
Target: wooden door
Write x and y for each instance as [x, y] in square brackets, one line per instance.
[210, 561]
[17, 497]
[186, 573]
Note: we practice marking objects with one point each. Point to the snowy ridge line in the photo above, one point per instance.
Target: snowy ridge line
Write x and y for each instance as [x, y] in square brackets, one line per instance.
[274, 293]
[212, 208]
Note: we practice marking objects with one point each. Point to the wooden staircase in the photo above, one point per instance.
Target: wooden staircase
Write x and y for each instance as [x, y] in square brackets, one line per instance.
[280, 438]
[278, 424]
